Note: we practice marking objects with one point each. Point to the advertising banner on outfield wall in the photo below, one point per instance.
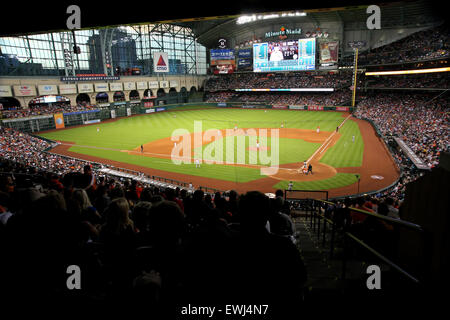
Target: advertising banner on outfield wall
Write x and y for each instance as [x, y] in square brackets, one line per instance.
[80, 112]
[160, 109]
[59, 120]
[128, 112]
[91, 121]
[341, 108]
[27, 118]
[317, 108]
[222, 104]
[277, 106]
[148, 104]
[297, 107]
[113, 114]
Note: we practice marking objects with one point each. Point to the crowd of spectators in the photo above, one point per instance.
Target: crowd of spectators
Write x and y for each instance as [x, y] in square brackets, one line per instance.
[278, 81]
[28, 150]
[139, 244]
[408, 173]
[220, 96]
[422, 45]
[43, 110]
[289, 98]
[420, 120]
[431, 80]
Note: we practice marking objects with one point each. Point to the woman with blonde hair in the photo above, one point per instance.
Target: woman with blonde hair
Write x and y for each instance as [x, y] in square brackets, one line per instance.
[88, 212]
[81, 197]
[118, 237]
[118, 217]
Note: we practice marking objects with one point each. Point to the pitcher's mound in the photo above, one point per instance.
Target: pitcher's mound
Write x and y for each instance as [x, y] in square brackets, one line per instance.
[294, 172]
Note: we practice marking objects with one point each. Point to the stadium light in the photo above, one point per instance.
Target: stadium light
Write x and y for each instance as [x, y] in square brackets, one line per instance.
[250, 18]
[416, 71]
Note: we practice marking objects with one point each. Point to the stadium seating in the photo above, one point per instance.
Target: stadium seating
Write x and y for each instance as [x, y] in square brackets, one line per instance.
[43, 110]
[424, 45]
[277, 81]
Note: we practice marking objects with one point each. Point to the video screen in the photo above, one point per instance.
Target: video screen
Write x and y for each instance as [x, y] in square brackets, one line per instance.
[289, 55]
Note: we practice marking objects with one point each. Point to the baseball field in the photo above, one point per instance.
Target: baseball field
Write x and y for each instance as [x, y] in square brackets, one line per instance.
[241, 149]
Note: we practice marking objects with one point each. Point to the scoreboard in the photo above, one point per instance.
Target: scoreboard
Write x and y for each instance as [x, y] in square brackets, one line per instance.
[290, 55]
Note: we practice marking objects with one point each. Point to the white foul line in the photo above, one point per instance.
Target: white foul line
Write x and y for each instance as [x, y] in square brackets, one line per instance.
[323, 146]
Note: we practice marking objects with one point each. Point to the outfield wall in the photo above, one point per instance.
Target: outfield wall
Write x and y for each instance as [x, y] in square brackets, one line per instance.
[123, 109]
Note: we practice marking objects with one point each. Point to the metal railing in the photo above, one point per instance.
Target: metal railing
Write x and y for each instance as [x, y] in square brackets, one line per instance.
[210, 190]
[319, 222]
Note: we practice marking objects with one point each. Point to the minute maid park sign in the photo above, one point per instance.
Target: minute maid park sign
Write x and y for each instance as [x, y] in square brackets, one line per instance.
[283, 33]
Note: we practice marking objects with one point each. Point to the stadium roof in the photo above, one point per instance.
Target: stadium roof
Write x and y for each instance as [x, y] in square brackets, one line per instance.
[394, 15]
[219, 20]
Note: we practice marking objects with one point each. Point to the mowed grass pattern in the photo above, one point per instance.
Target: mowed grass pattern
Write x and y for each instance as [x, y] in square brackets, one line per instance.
[129, 133]
[339, 180]
[346, 152]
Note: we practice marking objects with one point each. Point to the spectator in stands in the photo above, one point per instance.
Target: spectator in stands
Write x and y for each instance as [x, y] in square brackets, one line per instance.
[358, 217]
[102, 199]
[393, 212]
[280, 222]
[119, 239]
[270, 266]
[141, 220]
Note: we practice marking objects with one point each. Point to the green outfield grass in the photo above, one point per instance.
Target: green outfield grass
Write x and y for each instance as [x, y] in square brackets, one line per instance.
[130, 133]
[339, 180]
[346, 153]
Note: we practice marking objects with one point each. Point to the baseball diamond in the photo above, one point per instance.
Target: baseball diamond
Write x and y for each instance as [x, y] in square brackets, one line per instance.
[334, 158]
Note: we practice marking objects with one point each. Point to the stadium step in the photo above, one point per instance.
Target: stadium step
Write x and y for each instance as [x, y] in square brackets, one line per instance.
[324, 281]
[324, 274]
